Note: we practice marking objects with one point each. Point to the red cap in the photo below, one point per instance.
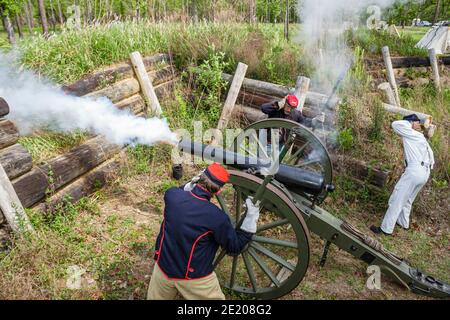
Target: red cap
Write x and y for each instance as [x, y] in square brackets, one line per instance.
[217, 173]
[292, 100]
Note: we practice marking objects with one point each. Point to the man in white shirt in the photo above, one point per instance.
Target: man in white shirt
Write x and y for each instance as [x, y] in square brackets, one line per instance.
[419, 160]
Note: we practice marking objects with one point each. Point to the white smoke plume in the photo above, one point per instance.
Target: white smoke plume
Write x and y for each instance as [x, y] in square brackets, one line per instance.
[35, 103]
[322, 33]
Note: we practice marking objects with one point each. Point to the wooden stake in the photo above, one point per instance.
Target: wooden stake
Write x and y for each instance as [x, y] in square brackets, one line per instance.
[146, 84]
[435, 68]
[232, 96]
[390, 73]
[389, 94]
[301, 90]
[11, 207]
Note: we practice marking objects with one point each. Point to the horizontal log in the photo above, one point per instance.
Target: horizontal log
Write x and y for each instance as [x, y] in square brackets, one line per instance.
[270, 89]
[360, 170]
[111, 75]
[135, 104]
[126, 88]
[249, 113]
[408, 62]
[425, 119]
[59, 171]
[85, 185]
[4, 107]
[8, 133]
[16, 160]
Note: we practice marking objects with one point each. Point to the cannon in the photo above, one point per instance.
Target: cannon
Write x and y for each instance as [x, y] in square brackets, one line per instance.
[277, 258]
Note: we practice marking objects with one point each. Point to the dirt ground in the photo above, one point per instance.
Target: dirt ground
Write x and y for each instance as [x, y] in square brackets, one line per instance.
[139, 198]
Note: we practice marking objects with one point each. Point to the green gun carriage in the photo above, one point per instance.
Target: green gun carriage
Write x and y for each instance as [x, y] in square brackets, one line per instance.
[277, 258]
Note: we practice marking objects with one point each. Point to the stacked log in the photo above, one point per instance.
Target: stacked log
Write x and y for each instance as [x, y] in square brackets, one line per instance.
[92, 164]
[408, 62]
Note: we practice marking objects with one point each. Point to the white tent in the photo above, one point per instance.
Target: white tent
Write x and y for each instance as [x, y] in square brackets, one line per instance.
[437, 38]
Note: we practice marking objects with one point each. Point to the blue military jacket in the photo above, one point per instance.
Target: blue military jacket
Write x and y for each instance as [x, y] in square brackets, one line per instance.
[192, 230]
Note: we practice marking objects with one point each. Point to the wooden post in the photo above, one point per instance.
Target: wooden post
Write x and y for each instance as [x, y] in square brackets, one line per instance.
[146, 84]
[11, 207]
[301, 90]
[390, 73]
[232, 96]
[435, 68]
[389, 94]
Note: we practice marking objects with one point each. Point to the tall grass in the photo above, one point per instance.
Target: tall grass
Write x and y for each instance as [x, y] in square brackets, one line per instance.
[69, 55]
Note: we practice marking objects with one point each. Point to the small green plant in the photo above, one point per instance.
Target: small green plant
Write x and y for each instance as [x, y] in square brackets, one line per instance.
[345, 139]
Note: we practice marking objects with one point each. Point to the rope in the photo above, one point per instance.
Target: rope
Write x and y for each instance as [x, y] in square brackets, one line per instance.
[372, 243]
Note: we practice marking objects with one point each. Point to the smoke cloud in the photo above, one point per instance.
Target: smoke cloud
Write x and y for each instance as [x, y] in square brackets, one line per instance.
[36, 103]
[324, 23]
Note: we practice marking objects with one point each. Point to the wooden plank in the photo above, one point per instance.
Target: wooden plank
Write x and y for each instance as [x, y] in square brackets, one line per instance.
[83, 186]
[111, 75]
[4, 107]
[146, 85]
[59, 171]
[435, 68]
[8, 133]
[11, 207]
[16, 160]
[390, 73]
[301, 91]
[232, 96]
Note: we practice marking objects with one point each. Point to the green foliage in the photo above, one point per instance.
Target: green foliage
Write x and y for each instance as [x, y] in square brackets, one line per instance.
[372, 41]
[10, 7]
[376, 130]
[345, 139]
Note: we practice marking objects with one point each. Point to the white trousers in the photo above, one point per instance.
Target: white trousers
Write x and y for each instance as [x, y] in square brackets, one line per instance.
[403, 196]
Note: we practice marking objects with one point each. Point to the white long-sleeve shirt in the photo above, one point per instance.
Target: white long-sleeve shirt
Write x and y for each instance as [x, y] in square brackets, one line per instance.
[415, 145]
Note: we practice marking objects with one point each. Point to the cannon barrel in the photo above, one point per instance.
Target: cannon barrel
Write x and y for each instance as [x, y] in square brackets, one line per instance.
[298, 178]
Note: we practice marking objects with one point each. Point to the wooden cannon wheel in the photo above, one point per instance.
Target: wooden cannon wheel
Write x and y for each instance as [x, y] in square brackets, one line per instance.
[276, 259]
[308, 152]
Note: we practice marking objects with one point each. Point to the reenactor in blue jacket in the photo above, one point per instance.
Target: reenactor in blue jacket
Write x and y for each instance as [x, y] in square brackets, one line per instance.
[190, 235]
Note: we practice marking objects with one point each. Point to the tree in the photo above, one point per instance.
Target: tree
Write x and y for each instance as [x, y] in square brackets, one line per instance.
[436, 13]
[9, 8]
[43, 15]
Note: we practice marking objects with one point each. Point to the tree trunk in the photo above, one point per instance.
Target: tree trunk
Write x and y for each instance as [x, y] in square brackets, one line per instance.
[437, 12]
[60, 14]
[19, 25]
[9, 29]
[30, 10]
[252, 11]
[267, 11]
[28, 17]
[286, 21]
[53, 18]
[43, 17]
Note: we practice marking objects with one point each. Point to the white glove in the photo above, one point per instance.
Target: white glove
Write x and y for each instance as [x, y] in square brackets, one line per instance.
[252, 216]
[189, 186]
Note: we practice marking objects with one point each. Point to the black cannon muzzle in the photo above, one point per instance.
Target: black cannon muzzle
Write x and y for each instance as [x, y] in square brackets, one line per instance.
[292, 177]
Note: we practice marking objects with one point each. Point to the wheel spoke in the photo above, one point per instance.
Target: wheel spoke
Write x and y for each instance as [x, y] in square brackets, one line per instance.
[233, 271]
[219, 258]
[264, 267]
[272, 225]
[250, 273]
[222, 204]
[296, 154]
[238, 203]
[273, 256]
[276, 242]
[307, 163]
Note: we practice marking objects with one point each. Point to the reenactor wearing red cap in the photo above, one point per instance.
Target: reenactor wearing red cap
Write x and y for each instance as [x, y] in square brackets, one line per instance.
[192, 231]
